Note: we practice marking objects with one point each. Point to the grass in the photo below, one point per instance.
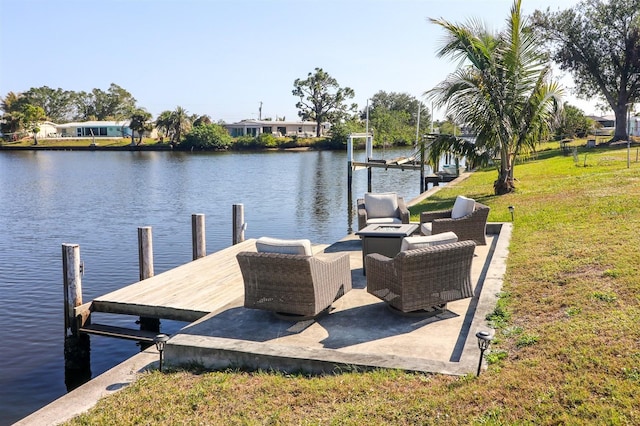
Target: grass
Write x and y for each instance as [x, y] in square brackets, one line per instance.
[79, 142]
[567, 347]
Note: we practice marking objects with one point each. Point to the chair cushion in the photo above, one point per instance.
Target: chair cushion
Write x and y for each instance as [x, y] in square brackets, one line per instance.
[462, 207]
[411, 243]
[384, 204]
[425, 228]
[383, 220]
[276, 245]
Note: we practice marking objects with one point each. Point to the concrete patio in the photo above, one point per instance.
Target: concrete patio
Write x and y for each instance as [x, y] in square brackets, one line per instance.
[360, 332]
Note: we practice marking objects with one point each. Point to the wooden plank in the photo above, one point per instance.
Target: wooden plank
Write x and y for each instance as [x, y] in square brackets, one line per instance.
[119, 332]
[187, 292]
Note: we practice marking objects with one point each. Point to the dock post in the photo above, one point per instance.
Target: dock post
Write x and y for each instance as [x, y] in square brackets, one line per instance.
[198, 236]
[72, 286]
[238, 224]
[145, 260]
[77, 349]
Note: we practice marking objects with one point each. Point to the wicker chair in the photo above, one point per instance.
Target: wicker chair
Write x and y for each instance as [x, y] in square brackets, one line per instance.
[400, 215]
[294, 285]
[416, 281]
[473, 226]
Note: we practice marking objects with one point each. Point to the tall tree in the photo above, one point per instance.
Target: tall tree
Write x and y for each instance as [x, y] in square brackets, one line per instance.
[114, 104]
[33, 116]
[572, 122]
[57, 104]
[140, 122]
[394, 117]
[163, 124]
[322, 99]
[179, 124]
[599, 43]
[503, 90]
[12, 115]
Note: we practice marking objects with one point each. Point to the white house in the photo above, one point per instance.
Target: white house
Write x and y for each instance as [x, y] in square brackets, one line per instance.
[254, 128]
[608, 123]
[113, 129]
[99, 129]
[47, 130]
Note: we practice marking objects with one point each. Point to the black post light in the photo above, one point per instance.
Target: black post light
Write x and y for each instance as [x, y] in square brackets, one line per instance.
[484, 340]
[511, 210]
[161, 340]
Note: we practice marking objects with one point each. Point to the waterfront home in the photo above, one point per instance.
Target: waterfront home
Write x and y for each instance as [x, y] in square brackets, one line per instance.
[102, 129]
[306, 129]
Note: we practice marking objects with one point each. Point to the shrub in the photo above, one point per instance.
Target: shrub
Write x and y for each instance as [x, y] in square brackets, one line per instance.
[207, 136]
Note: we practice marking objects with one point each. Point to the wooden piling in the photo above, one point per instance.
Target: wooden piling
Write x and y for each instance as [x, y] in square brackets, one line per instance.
[145, 260]
[72, 285]
[198, 236]
[145, 252]
[238, 224]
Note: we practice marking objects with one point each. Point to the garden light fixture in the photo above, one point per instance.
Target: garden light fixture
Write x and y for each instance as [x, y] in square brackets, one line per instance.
[161, 340]
[484, 340]
[511, 210]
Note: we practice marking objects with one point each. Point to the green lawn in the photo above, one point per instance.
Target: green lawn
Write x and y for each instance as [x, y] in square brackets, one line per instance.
[567, 348]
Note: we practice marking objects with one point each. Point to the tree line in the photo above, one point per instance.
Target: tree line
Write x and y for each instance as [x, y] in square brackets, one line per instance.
[503, 90]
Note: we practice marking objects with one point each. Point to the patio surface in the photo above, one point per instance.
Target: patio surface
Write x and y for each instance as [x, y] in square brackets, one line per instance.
[360, 332]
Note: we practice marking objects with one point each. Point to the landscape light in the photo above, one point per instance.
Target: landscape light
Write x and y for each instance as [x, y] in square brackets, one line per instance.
[511, 210]
[161, 340]
[484, 340]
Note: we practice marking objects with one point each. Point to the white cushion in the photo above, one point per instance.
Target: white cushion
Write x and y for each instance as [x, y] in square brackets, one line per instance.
[384, 204]
[462, 207]
[411, 243]
[383, 220]
[275, 245]
[425, 228]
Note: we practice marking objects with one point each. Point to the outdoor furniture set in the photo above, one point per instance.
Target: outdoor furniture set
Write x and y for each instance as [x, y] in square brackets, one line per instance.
[415, 268]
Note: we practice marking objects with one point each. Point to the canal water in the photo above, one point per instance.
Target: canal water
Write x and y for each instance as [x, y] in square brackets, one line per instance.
[99, 199]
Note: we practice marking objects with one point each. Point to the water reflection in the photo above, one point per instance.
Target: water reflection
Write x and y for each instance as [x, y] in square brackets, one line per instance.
[99, 199]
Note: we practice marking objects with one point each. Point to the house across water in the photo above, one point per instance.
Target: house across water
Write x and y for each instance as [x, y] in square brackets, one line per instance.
[306, 129]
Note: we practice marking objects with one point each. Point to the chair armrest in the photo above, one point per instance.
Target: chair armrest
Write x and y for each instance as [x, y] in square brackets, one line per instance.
[362, 213]
[330, 257]
[403, 211]
[377, 262]
[332, 274]
[426, 217]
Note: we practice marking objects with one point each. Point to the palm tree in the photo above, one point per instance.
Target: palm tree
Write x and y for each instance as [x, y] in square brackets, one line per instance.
[163, 123]
[503, 90]
[179, 123]
[13, 119]
[139, 123]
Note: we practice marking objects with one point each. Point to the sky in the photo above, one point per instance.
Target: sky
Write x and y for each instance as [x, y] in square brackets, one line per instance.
[226, 58]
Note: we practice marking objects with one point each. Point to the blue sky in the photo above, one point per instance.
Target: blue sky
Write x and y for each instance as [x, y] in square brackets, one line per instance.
[223, 57]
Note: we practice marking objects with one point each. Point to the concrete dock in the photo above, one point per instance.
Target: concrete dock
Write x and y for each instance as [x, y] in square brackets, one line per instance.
[360, 332]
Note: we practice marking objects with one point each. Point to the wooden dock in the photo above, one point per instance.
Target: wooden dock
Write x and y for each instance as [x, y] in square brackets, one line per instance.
[185, 293]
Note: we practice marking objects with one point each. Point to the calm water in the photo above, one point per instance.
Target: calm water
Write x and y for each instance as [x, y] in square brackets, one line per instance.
[99, 199]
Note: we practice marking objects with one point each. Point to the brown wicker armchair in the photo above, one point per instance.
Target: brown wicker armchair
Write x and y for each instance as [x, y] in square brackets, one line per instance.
[472, 226]
[293, 284]
[377, 214]
[422, 279]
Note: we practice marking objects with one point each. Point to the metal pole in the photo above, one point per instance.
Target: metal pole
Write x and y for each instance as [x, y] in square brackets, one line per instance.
[418, 124]
[628, 134]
